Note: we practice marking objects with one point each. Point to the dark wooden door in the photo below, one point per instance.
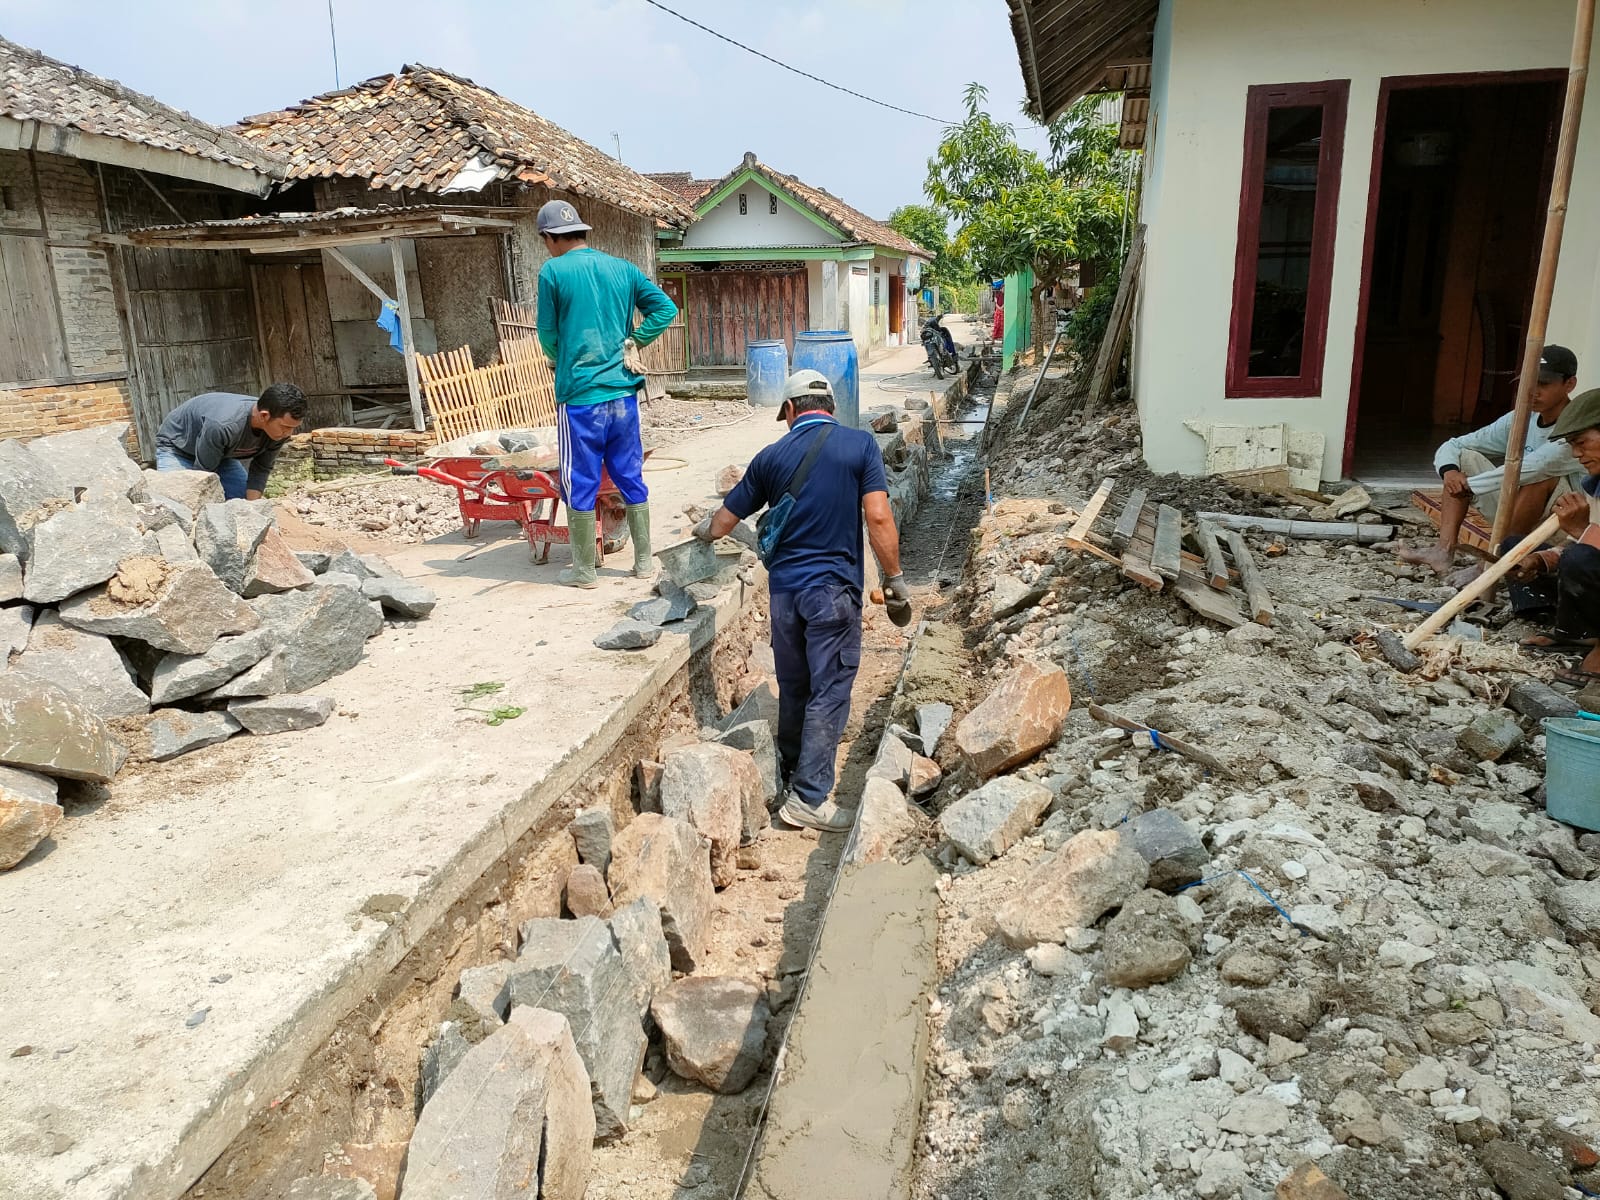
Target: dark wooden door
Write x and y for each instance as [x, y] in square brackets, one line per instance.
[297, 336]
[727, 309]
[668, 355]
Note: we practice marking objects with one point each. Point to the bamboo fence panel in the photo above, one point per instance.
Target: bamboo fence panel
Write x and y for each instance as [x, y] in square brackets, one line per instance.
[516, 393]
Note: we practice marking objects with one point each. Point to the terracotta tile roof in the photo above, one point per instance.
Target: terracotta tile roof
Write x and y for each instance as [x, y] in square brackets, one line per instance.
[852, 221]
[420, 128]
[35, 87]
[682, 183]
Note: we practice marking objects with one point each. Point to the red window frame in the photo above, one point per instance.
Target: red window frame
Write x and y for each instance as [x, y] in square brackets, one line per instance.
[1333, 97]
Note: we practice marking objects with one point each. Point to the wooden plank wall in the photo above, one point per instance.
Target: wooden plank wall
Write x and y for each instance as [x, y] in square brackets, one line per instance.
[727, 309]
[297, 336]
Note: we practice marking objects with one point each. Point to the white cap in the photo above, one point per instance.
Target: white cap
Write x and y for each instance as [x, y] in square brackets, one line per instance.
[803, 383]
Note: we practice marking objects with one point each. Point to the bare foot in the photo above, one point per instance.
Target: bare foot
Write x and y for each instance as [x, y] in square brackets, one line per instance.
[1466, 575]
[1436, 558]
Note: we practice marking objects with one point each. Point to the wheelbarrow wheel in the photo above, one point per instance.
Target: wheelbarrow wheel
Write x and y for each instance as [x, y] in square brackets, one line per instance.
[613, 516]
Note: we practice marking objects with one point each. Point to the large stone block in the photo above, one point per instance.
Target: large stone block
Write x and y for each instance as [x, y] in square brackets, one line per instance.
[24, 822]
[30, 491]
[1095, 871]
[281, 714]
[592, 831]
[512, 1119]
[85, 665]
[193, 490]
[665, 859]
[1147, 942]
[275, 568]
[401, 597]
[756, 738]
[637, 930]
[16, 623]
[716, 789]
[94, 460]
[183, 608]
[227, 536]
[45, 730]
[574, 968]
[884, 819]
[10, 578]
[320, 632]
[715, 1030]
[30, 784]
[178, 676]
[174, 732]
[985, 823]
[1022, 716]
[80, 547]
[1176, 855]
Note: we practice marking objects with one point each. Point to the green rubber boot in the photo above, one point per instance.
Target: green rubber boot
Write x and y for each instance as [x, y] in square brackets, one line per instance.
[580, 533]
[644, 566]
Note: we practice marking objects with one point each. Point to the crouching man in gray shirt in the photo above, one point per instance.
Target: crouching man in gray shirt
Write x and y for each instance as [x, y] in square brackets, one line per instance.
[235, 437]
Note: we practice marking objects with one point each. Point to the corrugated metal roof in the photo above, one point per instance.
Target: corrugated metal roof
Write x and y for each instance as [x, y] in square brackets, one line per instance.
[36, 87]
[420, 128]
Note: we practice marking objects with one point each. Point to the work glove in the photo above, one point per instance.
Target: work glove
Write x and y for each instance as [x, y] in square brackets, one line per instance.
[703, 531]
[897, 599]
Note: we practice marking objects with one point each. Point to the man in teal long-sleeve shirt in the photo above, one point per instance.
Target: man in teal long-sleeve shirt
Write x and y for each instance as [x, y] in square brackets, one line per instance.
[586, 305]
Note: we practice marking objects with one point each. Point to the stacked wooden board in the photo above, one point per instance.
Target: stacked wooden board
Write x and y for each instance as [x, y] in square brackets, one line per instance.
[1145, 539]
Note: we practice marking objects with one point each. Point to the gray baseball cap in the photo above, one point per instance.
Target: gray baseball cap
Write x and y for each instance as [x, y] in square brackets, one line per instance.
[558, 216]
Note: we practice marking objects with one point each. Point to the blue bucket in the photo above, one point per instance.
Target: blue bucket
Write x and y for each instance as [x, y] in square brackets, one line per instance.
[1572, 771]
[766, 366]
[833, 352]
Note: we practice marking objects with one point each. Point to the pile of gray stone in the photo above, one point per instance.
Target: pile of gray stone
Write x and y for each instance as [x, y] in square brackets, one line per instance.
[144, 598]
[542, 1054]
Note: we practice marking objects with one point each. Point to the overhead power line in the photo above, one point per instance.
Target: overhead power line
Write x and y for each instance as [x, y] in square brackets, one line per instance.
[795, 70]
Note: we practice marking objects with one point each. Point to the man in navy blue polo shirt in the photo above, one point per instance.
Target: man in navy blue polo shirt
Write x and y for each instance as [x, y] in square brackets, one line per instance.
[815, 579]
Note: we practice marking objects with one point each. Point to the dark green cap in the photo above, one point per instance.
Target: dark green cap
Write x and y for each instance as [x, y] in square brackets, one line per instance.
[1582, 412]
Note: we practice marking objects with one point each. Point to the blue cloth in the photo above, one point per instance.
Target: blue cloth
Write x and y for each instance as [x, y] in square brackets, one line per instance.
[822, 543]
[816, 649]
[600, 437]
[389, 322]
[232, 471]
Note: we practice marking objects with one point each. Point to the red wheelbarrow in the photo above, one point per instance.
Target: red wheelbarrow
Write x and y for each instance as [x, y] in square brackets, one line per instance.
[529, 497]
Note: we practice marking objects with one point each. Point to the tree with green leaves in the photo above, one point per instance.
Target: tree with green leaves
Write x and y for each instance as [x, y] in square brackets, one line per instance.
[929, 228]
[1016, 211]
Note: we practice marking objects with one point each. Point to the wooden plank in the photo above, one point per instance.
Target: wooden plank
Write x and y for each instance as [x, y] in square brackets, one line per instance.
[1165, 558]
[1187, 749]
[1117, 330]
[1213, 605]
[1216, 565]
[1079, 532]
[1128, 522]
[1256, 595]
[1136, 566]
[403, 302]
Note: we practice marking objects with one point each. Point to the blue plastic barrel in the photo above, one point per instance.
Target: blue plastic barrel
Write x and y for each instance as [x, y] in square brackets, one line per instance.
[833, 352]
[766, 366]
[1572, 771]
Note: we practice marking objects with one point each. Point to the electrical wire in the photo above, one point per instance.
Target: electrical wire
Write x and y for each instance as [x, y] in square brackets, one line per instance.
[796, 70]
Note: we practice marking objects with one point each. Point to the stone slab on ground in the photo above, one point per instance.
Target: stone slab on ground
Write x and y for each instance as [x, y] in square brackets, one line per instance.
[988, 821]
[275, 568]
[182, 608]
[592, 831]
[10, 578]
[320, 633]
[44, 729]
[756, 738]
[28, 783]
[24, 823]
[645, 954]
[714, 1029]
[179, 676]
[512, 1111]
[717, 789]
[844, 1114]
[192, 489]
[268, 871]
[574, 968]
[16, 622]
[79, 547]
[628, 634]
[1176, 855]
[665, 859]
[227, 536]
[1019, 718]
[281, 714]
[884, 819]
[174, 731]
[1096, 870]
[84, 665]
[30, 489]
[94, 459]
[401, 597]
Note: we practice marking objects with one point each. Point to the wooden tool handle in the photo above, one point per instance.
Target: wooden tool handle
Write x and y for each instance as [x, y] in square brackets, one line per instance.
[1483, 583]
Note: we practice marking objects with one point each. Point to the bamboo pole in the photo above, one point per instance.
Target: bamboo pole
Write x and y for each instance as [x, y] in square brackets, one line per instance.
[1549, 256]
[1483, 583]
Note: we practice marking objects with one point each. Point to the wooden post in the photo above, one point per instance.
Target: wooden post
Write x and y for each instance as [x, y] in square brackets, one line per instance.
[1217, 575]
[1555, 222]
[1483, 583]
[1255, 592]
[403, 301]
[1166, 556]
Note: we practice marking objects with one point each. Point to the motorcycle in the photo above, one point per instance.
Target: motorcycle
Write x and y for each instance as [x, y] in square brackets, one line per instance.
[940, 346]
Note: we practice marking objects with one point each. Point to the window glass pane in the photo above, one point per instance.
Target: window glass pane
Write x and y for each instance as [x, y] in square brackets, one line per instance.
[1283, 255]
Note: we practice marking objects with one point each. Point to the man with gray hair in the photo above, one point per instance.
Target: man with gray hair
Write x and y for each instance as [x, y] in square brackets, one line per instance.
[586, 304]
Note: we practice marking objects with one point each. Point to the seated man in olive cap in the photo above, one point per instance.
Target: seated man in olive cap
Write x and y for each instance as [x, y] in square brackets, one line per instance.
[1574, 569]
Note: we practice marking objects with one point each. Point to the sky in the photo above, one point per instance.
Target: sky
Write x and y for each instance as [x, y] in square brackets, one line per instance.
[676, 97]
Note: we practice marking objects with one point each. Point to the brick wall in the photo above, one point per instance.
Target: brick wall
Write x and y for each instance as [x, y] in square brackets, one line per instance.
[32, 412]
[335, 451]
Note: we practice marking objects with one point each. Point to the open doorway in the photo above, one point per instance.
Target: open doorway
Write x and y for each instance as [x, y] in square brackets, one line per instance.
[1460, 182]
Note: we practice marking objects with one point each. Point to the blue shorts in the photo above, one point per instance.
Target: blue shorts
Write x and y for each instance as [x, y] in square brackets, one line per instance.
[601, 435]
[231, 471]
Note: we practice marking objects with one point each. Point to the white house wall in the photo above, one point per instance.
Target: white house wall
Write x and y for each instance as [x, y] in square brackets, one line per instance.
[725, 226]
[1207, 53]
